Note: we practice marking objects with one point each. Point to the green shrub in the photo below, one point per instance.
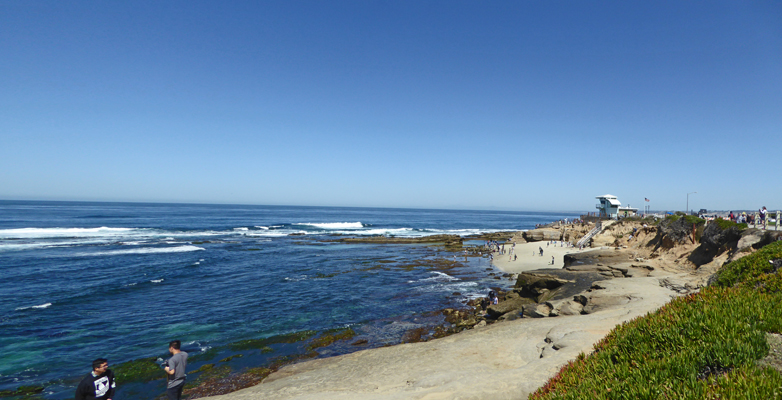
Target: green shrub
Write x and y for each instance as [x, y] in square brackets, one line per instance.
[753, 270]
[727, 224]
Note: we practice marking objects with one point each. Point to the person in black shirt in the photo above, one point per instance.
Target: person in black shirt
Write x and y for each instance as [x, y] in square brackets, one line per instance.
[99, 384]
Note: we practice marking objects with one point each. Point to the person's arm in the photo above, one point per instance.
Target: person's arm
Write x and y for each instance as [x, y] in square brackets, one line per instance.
[112, 385]
[172, 365]
[80, 394]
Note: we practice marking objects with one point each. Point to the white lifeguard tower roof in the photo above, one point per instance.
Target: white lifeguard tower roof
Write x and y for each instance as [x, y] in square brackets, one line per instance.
[611, 199]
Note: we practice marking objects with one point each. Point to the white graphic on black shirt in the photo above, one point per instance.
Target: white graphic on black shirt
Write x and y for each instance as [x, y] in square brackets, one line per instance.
[101, 386]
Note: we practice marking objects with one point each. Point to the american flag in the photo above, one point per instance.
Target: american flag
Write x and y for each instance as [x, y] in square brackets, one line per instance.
[645, 199]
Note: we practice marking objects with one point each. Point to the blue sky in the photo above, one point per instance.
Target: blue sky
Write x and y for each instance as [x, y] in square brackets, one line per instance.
[518, 105]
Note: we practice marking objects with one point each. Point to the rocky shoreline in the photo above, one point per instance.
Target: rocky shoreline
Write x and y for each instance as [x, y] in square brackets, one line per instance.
[547, 318]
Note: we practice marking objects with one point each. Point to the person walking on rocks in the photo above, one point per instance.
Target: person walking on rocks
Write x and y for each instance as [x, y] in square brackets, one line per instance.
[175, 368]
[99, 384]
[493, 297]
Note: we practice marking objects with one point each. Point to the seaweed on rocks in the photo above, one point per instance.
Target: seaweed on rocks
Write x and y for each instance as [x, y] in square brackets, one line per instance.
[23, 391]
[140, 370]
[331, 336]
[294, 337]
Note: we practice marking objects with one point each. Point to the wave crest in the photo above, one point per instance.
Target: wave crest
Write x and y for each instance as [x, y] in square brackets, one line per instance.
[334, 225]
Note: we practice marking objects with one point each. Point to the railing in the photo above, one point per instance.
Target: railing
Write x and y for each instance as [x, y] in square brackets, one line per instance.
[766, 224]
[584, 240]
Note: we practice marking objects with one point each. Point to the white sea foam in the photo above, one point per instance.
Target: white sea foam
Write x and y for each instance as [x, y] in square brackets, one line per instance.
[401, 232]
[448, 287]
[157, 280]
[144, 250]
[242, 229]
[266, 228]
[439, 276]
[415, 233]
[45, 305]
[334, 225]
[43, 245]
[275, 233]
[41, 233]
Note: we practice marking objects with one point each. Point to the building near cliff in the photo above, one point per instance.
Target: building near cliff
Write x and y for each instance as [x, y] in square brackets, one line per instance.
[627, 211]
[608, 206]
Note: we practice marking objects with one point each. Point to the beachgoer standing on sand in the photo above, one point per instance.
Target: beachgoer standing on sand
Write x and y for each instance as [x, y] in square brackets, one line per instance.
[552, 260]
[98, 384]
[175, 368]
[541, 251]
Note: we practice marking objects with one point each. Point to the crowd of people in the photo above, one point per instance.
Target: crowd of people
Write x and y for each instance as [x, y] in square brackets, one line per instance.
[761, 216]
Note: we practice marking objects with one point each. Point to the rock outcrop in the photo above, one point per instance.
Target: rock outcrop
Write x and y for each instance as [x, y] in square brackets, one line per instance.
[538, 287]
[542, 234]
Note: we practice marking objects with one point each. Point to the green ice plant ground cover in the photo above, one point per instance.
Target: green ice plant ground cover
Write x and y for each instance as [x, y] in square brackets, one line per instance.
[702, 346]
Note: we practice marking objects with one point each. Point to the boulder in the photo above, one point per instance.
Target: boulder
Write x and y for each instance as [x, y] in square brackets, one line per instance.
[715, 236]
[595, 257]
[750, 237]
[537, 235]
[535, 286]
[504, 307]
[538, 310]
[570, 307]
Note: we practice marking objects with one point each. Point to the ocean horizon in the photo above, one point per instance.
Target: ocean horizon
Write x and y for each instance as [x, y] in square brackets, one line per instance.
[83, 280]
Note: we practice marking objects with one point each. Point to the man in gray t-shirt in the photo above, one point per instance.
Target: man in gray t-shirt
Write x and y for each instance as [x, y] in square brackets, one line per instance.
[175, 368]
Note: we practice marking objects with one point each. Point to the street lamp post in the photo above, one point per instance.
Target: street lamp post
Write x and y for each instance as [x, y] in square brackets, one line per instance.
[687, 210]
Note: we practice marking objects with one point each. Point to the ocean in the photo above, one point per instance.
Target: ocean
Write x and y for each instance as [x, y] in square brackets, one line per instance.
[120, 280]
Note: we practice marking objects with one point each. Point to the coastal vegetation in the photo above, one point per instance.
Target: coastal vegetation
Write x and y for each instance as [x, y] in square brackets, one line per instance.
[704, 345]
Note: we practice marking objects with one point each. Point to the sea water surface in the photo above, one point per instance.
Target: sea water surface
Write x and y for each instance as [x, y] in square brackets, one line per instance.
[80, 281]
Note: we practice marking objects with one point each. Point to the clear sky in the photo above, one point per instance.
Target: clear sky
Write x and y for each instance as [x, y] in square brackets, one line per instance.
[517, 105]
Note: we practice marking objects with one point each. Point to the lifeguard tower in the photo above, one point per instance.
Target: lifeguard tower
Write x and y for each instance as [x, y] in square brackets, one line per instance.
[608, 206]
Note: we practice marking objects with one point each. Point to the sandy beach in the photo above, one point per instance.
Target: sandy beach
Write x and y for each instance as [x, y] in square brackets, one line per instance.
[529, 258]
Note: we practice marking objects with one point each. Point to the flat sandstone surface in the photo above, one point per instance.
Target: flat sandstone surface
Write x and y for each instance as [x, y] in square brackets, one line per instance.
[507, 360]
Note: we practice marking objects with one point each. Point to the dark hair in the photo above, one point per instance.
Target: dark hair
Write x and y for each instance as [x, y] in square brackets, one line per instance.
[176, 344]
[98, 362]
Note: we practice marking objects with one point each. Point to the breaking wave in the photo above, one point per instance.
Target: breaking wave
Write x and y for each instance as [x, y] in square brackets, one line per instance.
[145, 250]
[45, 305]
[334, 225]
